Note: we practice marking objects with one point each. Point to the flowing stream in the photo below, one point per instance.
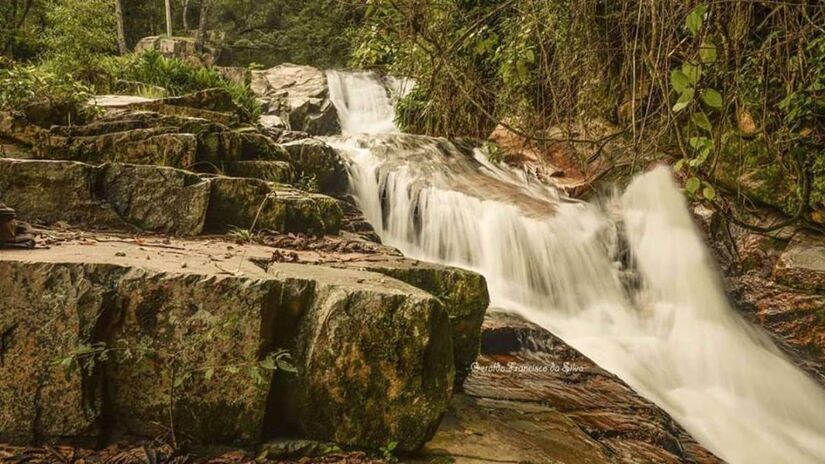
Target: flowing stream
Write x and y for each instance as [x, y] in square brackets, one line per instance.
[666, 329]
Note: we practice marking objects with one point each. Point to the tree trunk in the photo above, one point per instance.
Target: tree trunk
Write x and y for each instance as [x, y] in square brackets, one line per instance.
[185, 14]
[169, 18]
[201, 40]
[121, 34]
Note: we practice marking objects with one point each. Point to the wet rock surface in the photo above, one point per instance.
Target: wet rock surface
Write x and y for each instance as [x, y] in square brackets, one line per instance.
[531, 398]
[776, 280]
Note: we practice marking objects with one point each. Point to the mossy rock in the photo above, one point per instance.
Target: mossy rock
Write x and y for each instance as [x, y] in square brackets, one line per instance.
[237, 202]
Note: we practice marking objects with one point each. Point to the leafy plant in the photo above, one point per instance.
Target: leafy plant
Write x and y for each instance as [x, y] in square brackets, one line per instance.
[308, 183]
[388, 451]
[21, 86]
[176, 76]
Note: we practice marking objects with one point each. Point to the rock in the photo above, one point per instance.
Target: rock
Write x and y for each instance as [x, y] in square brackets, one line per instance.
[300, 91]
[314, 159]
[238, 202]
[271, 121]
[391, 354]
[802, 264]
[464, 294]
[532, 398]
[51, 311]
[223, 147]
[157, 146]
[182, 48]
[15, 126]
[239, 75]
[271, 171]
[373, 355]
[189, 324]
[120, 196]
[52, 191]
[215, 104]
[158, 199]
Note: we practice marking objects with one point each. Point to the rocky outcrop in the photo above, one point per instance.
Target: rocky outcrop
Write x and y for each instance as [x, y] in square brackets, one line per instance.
[298, 94]
[161, 199]
[170, 331]
[253, 203]
[464, 294]
[314, 159]
[156, 198]
[802, 264]
[53, 191]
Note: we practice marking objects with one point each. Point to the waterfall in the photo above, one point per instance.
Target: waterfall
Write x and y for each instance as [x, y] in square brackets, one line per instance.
[672, 336]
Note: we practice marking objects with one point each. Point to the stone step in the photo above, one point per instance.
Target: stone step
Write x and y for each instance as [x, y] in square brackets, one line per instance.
[374, 355]
[160, 199]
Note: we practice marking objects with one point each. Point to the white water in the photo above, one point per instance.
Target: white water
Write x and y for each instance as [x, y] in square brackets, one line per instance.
[675, 339]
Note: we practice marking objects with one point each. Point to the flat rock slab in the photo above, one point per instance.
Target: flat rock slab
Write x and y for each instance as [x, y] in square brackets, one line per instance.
[119, 101]
[373, 354]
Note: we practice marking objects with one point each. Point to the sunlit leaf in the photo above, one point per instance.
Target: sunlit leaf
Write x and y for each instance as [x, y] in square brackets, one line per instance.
[694, 19]
[712, 98]
[692, 71]
[684, 100]
[707, 52]
[709, 193]
[692, 185]
[679, 81]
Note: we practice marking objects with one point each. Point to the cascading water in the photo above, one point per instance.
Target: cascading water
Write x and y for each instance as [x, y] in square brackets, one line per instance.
[673, 337]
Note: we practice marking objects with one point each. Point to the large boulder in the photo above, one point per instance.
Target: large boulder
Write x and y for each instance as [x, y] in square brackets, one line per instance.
[376, 367]
[156, 198]
[463, 293]
[49, 312]
[179, 341]
[298, 94]
[51, 191]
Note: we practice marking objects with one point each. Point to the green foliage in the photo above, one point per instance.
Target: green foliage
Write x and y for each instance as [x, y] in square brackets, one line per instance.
[310, 32]
[308, 183]
[79, 32]
[388, 452]
[700, 76]
[21, 86]
[176, 76]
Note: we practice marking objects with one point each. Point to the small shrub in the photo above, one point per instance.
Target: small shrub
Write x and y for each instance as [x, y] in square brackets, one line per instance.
[176, 76]
[22, 86]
